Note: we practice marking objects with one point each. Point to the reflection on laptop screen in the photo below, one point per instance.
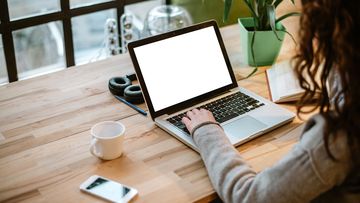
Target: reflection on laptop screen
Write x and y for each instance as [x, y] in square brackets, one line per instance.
[182, 67]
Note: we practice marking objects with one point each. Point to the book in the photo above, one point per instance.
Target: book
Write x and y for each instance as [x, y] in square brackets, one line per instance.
[283, 83]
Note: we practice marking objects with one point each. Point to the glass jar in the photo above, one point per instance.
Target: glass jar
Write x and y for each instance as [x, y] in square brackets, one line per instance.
[165, 18]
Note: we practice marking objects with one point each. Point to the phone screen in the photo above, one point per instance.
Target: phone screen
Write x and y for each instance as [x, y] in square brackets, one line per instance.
[108, 189]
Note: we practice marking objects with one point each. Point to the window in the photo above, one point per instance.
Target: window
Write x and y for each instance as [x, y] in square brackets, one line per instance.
[79, 3]
[3, 72]
[63, 32]
[39, 49]
[25, 8]
[89, 36]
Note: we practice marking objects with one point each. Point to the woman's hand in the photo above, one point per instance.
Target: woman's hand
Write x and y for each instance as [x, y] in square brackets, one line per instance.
[195, 117]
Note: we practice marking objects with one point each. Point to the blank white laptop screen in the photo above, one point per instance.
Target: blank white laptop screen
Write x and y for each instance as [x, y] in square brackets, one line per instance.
[182, 67]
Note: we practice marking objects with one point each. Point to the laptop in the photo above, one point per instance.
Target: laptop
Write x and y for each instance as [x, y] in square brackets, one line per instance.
[189, 68]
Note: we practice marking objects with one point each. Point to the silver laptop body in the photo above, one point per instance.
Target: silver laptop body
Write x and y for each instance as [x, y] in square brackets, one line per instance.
[188, 68]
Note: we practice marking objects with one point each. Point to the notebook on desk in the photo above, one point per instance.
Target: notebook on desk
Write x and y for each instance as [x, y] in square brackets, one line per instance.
[189, 68]
[283, 83]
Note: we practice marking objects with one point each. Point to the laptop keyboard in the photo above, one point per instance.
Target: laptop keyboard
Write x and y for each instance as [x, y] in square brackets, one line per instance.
[223, 109]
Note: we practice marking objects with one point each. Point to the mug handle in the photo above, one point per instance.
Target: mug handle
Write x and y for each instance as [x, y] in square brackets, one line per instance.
[93, 148]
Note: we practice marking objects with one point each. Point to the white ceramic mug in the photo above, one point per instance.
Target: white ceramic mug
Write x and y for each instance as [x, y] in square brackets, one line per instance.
[107, 139]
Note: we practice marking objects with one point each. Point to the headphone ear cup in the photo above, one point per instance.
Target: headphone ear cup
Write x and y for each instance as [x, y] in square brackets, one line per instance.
[117, 85]
[133, 94]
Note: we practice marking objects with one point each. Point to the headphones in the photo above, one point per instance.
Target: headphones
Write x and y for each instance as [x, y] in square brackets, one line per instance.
[121, 86]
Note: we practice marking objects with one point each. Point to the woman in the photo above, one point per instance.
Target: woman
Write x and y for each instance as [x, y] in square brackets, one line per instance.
[324, 165]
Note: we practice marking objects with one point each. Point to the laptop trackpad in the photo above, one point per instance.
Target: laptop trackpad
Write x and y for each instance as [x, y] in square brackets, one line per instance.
[243, 127]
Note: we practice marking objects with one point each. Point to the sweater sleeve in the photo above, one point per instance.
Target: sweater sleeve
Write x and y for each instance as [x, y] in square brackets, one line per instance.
[298, 177]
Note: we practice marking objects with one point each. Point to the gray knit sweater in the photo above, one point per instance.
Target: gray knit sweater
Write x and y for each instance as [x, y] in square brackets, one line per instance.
[305, 174]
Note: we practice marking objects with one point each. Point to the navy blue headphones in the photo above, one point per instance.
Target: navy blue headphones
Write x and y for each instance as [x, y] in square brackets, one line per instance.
[121, 86]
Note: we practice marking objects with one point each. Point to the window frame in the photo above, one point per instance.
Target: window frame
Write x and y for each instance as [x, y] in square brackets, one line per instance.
[65, 14]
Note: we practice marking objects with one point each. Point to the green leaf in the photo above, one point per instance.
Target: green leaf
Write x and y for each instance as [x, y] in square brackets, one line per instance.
[252, 72]
[271, 15]
[227, 7]
[253, 55]
[277, 2]
[287, 15]
[260, 4]
[292, 37]
[251, 8]
[253, 13]
[251, 3]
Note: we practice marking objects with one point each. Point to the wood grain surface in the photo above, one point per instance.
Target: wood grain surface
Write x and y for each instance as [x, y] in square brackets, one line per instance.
[45, 138]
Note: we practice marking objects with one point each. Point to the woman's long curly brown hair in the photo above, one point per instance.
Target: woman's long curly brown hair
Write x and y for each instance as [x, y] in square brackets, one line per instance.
[329, 43]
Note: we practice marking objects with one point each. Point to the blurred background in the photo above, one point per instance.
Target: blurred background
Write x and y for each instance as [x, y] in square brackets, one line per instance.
[43, 36]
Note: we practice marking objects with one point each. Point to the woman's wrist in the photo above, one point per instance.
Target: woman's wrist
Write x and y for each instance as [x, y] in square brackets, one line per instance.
[203, 124]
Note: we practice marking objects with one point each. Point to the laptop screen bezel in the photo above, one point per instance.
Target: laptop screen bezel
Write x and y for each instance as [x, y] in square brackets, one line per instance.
[190, 102]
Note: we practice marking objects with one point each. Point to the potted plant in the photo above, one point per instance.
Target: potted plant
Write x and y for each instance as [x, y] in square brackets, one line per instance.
[261, 34]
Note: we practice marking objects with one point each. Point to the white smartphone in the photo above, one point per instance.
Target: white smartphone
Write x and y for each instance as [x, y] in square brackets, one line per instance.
[108, 189]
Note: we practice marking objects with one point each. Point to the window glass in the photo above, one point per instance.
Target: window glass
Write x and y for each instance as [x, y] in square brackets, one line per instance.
[142, 8]
[132, 22]
[3, 71]
[26, 8]
[89, 36]
[79, 3]
[39, 49]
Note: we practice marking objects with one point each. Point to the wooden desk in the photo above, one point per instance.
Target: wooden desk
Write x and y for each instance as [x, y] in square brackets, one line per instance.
[44, 137]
